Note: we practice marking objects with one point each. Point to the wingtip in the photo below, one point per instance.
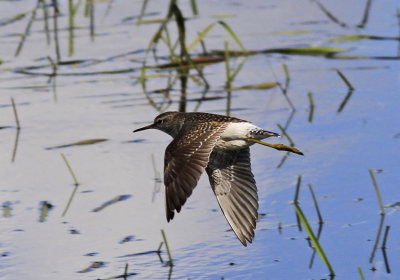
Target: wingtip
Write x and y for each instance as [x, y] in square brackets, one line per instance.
[170, 215]
[244, 240]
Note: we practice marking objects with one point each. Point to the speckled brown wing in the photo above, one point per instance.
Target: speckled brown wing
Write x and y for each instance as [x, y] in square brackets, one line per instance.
[235, 188]
[186, 158]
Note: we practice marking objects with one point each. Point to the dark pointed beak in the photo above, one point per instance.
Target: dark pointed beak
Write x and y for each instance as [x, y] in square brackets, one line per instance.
[144, 128]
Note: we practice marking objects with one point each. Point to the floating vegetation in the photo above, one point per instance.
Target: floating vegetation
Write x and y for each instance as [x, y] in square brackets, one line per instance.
[92, 266]
[199, 61]
[112, 201]
[7, 209]
[291, 32]
[262, 86]
[74, 231]
[356, 57]
[140, 254]
[45, 207]
[126, 239]
[312, 51]
[79, 143]
[14, 19]
[355, 38]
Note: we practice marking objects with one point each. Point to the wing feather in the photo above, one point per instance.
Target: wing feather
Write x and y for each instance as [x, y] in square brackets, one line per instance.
[235, 188]
[186, 158]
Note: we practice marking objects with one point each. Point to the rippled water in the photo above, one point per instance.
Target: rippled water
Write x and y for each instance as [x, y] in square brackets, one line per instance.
[101, 97]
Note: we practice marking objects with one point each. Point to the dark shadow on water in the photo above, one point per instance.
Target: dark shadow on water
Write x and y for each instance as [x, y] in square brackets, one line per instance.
[345, 100]
[378, 236]
[385, 258]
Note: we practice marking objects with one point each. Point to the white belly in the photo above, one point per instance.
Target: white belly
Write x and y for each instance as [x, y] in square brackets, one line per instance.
[233, 138]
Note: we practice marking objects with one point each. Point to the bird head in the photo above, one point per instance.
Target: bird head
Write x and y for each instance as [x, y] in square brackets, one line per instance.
[168, 122]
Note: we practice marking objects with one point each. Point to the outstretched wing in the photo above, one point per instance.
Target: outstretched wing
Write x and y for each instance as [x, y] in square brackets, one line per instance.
[186, 157]
[236, 191]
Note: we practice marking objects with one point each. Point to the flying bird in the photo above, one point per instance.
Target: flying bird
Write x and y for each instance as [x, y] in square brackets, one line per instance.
[218, 145]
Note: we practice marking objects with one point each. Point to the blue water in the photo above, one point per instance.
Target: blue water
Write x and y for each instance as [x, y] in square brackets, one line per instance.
[339, 147]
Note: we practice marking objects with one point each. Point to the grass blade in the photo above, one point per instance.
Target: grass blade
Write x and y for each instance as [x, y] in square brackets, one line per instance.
[71, 27]
[171, 262]
[321, 221]
[296, 196]
[15, 113]
[70, 169]
[296, 199]
[233, 35]
[46, 20]
[378, 194]
[27, 29]
[200, 37]
[345, 79]
[310, 233]
[361, 273]
[310, 98]
[56, 13]
[227, 66]
[194, 7]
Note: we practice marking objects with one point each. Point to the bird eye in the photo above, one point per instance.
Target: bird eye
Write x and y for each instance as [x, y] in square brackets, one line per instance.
[160, 121]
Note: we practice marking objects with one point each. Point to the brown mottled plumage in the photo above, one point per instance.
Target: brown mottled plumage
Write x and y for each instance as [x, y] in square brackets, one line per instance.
[216, 144]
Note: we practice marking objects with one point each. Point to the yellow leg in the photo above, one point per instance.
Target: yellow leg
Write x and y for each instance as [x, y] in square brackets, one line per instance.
[280, 147]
